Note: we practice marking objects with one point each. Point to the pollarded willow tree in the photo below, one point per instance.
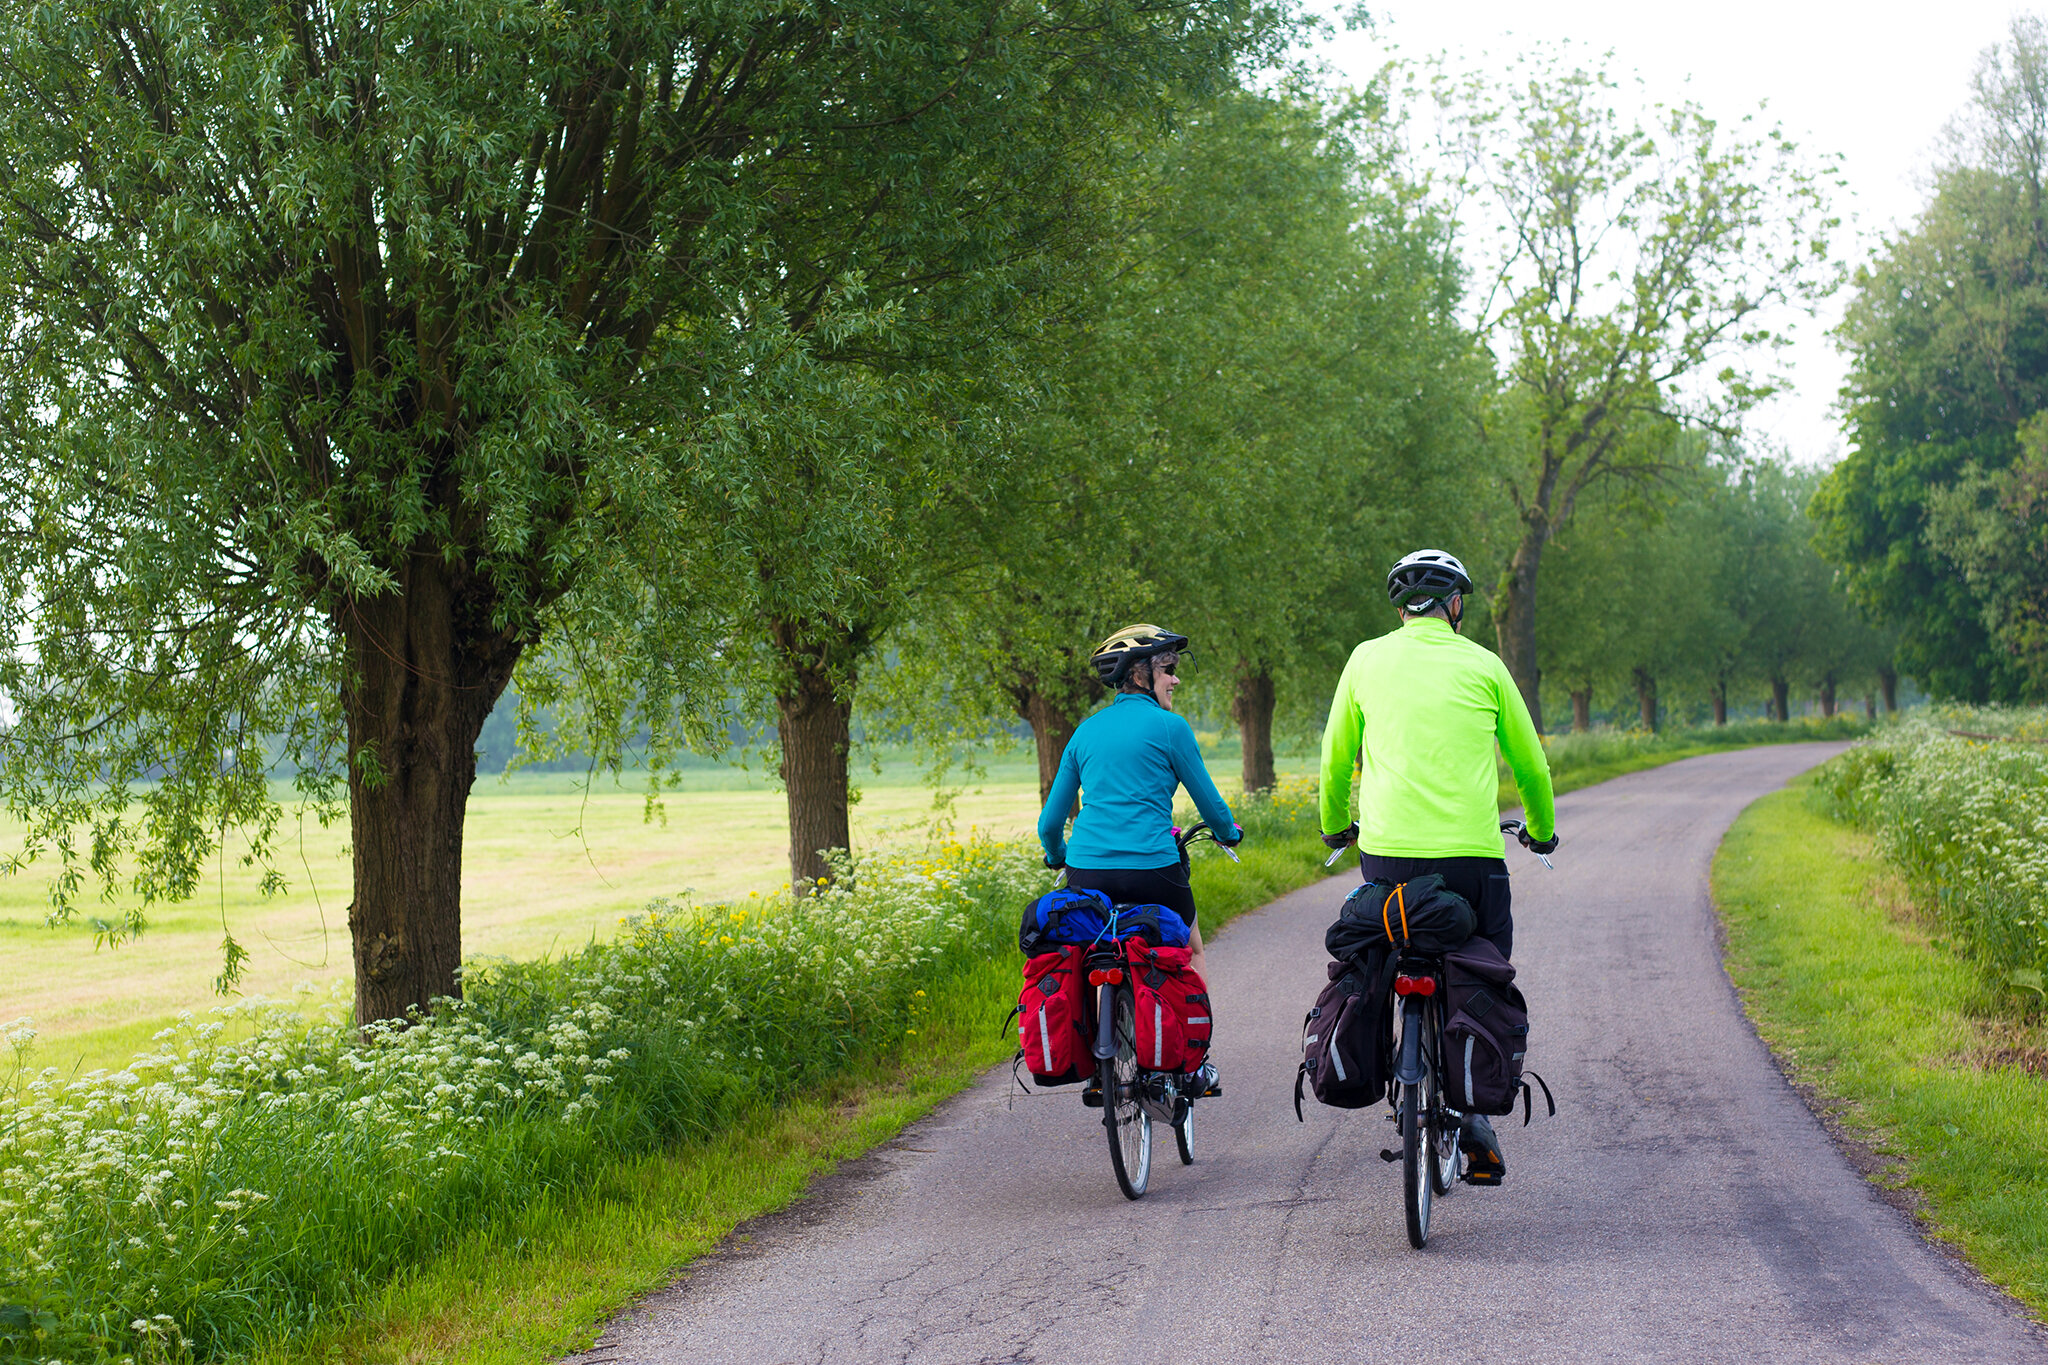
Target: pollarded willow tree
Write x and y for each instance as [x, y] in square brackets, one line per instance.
[354, 348]
[1643, 261]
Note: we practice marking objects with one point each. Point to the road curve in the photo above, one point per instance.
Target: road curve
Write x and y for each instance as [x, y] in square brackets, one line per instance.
[1683, 1205]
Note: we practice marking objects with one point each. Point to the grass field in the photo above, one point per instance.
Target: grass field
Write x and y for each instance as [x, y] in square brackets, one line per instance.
[546, 867]
[1901, 1040]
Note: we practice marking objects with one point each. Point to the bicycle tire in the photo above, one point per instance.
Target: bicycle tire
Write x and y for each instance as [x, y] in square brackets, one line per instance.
[1123, 1117]
[1416, 1142]
[1184, 1133]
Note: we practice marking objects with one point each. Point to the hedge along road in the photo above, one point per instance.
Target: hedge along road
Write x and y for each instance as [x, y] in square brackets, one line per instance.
[1683, 1205]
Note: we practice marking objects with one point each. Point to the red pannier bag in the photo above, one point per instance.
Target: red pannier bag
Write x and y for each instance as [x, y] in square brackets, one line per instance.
[1049, 1018]
[1173, 1007]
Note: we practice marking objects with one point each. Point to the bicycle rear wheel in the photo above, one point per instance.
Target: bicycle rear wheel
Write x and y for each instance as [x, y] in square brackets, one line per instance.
[1128, 1125]
[1418, 1144]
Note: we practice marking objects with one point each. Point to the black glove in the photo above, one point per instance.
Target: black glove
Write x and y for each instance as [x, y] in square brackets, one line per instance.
[1236, 837]
[1542, 845]
[1053, 865]
[1343, 838]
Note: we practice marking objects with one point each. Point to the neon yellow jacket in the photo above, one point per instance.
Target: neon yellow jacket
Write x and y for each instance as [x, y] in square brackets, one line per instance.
[1420, 710]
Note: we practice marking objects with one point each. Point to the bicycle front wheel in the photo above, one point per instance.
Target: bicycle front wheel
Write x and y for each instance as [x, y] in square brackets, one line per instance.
[1125, 1119]
[1184, 1132]
[1418, 1150]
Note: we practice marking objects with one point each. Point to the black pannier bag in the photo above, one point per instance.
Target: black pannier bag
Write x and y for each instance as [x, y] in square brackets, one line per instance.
[1347, 1037]
[1486, 1033]
[1420, 915]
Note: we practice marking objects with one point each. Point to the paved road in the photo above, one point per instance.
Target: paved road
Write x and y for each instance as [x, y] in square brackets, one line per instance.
[1683, 1206]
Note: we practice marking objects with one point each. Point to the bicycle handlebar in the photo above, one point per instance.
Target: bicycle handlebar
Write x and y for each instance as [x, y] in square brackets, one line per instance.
[1198, 831]
[1521, 833]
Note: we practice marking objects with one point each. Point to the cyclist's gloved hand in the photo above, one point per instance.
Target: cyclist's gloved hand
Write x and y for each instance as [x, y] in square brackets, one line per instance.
[1236, 836]
[1053, 865]
[1343, 838]
[1541, 845]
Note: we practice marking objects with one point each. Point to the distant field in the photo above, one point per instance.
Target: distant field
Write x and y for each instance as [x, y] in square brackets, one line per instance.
[544, 869]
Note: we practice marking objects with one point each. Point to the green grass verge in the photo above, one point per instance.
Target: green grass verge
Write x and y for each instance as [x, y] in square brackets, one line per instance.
[1890, 1032]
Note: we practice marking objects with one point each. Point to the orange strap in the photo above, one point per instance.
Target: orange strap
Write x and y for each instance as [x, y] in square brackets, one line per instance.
[1396, 895]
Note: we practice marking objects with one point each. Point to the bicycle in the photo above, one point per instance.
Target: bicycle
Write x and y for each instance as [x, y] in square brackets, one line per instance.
[1429, 1126]
[1131, 1096]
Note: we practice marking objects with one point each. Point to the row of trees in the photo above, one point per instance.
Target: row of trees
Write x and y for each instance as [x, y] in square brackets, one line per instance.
[1717, 592]
[805, 364]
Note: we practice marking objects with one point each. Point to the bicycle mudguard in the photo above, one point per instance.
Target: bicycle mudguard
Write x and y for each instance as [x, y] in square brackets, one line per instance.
[1408, 1068]
[1105, 1023]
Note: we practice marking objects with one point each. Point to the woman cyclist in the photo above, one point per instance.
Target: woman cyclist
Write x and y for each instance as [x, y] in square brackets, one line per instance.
[1129, 759]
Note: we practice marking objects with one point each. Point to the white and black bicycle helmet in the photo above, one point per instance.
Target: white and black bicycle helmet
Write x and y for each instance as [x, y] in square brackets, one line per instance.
[1423, 580]
[1113, 657]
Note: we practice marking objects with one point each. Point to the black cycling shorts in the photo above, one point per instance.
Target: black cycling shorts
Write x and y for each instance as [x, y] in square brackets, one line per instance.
[1482, 881]
[1167, 886]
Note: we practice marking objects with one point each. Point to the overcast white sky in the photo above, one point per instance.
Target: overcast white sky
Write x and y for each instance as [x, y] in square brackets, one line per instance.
[1875, 82]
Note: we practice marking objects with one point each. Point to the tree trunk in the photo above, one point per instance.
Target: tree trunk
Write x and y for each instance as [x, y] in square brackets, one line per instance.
[1780, 700]
[1888, 683]
[1515, 622]
[1870, 706]
[425, 668]
[1827, 696]
[1582, 709]
[1717, 694]
[814, 714]
[1252, 709]
[1646, 698]
[1051, 727]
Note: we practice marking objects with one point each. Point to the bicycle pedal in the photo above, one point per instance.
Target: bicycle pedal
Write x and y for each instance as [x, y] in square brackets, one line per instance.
[1386, 1155]
[1092, 1098]
[1483, 1178]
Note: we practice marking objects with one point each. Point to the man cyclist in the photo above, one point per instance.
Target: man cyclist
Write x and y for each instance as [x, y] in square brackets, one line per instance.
[1419, 712]
[1130, 758]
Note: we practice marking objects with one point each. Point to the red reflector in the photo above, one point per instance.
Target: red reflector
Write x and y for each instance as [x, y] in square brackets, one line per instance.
[1112, 976]
[1415, 985]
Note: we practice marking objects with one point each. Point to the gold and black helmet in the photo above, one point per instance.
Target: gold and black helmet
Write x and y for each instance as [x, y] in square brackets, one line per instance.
[1113, 657]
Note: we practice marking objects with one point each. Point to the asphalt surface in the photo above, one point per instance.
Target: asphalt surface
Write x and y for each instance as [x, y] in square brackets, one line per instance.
[1684, 1205]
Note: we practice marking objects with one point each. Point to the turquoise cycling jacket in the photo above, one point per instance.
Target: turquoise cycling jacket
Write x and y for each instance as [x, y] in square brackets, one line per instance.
[1126, 761]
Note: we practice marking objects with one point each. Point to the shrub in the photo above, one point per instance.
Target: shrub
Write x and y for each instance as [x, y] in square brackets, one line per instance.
[1958, 799]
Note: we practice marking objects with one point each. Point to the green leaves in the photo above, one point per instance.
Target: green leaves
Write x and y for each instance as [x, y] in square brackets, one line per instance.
[1945, 334]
